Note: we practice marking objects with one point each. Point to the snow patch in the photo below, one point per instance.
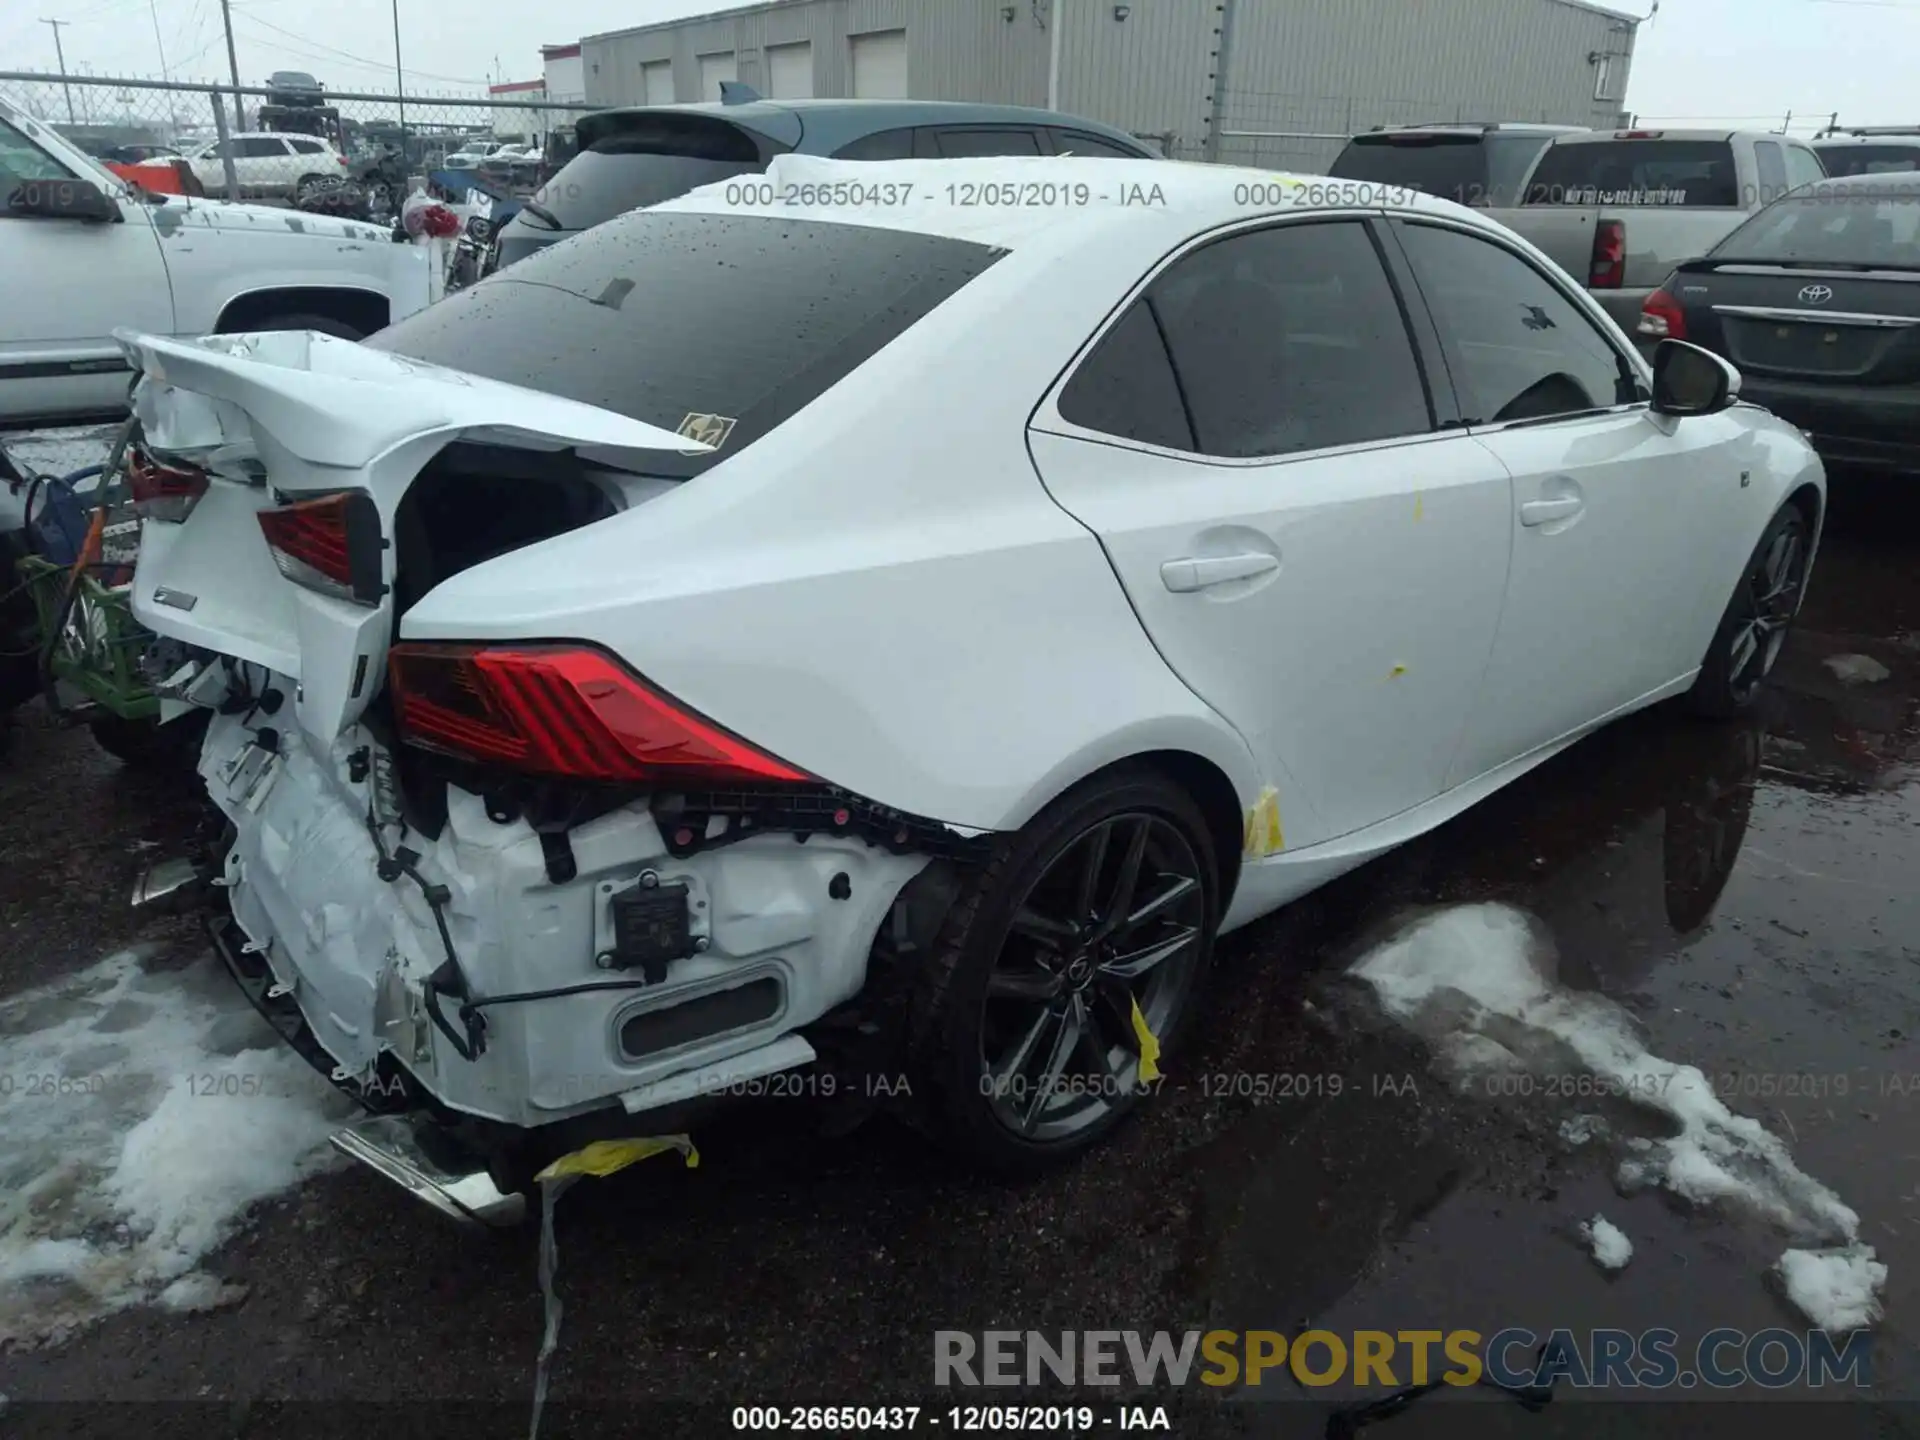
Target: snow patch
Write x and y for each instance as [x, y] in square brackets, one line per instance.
[1856, 669]
[1477, 983]
[1836, 1289]
[1611, 1248]
[143, 1114]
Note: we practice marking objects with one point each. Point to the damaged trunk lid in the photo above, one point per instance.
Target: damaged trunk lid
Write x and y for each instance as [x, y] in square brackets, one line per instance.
[286, 459]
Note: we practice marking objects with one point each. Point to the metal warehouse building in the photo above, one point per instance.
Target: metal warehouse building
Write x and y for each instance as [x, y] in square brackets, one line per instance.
[1294, 76]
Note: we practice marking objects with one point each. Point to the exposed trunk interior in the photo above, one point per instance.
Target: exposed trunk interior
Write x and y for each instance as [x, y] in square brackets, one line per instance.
[475, 502]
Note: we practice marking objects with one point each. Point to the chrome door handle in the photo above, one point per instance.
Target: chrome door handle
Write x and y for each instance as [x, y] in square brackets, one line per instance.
[1197, 573]
[1545, 512]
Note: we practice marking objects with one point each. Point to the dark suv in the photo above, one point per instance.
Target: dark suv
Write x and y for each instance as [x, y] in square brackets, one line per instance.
[1479, 164]
[632, 158]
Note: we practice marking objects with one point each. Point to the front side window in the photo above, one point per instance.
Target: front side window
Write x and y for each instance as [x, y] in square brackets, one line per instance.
[1289, 339]
[881, 145]
[21, 159]
[1772, 170]
[1518, 347]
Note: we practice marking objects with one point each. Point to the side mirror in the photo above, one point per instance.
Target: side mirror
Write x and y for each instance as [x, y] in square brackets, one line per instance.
[63, 200]
[1690, 381]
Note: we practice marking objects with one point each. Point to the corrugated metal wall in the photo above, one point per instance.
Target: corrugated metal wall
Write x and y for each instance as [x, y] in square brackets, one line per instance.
[1337, 66]
[1298, 66]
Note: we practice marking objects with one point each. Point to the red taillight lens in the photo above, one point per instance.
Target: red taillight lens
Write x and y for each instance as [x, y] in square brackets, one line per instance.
[164, 492]
[1662, 317]
[563, 710]
[1609, 270]
[331, 544]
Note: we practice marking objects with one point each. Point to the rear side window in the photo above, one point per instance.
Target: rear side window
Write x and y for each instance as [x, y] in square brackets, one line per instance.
[957, 144]
[1869, 159]
[1697, 173]
[881, 145]
[1450, 165]
[644, 163]
[260, 146]
[1290, 339]
[1772, 169]
[697, 323]
[1803, 167]
[307, 147]
[1127, 389]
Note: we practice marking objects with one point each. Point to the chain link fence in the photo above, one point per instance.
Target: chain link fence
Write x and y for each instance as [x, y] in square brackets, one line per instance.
[256, 144]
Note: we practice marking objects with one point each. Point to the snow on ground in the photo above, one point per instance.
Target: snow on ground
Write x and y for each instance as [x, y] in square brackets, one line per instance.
[1836, 1289]
[1476, 982]
[1611, 1248]
[141, 1114]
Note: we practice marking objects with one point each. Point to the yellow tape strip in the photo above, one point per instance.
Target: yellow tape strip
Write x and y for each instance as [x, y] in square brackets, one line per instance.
[606, 1157]
[1149, 1046]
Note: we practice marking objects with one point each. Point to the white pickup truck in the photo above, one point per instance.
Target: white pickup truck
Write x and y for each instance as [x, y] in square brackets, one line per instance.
[1620, 210]
[82, 252]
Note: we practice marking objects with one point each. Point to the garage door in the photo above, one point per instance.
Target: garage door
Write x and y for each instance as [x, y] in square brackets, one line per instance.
[714, 69]
[790, 71]
[880, 65]
[656, 79]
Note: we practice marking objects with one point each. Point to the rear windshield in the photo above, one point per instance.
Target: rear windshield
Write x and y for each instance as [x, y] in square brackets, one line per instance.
[698, 323]
[1868, 159]
[1859, 224]
[1636, 172]
[1453, 167]
[646, 165]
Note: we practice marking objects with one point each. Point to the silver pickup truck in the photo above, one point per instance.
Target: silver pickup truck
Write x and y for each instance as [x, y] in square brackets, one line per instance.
[1620, 209]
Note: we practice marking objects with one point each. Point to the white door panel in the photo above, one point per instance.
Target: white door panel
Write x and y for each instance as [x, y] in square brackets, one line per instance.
[656, 79]
[879, 65]
[1616, 525]
[790, 71]
[1337, 609]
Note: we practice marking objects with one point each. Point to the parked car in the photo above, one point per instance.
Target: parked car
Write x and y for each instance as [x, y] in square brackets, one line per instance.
[645, 154]
[1621, 209]
[1031, 593]
[1817, 300]
[1869, 152]
[102, 255]
[269, 164]
[1480, 164]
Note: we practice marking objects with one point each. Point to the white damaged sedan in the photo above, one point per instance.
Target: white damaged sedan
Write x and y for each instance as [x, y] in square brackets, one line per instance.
[896, 616]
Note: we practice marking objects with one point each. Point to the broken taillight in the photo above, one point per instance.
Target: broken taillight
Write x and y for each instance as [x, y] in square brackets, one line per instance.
[563, 710]
[1662, 317]
[163, 492]
[331, 544]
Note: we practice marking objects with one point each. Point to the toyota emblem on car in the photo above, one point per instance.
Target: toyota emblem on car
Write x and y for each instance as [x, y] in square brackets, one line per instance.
[1817, 294]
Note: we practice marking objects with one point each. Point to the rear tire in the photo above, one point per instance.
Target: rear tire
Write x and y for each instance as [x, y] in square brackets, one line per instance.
[149, 745]
[311, 184]
[1021, 1017]
[1757, 621]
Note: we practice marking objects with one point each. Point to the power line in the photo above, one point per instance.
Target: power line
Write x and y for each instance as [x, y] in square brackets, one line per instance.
[333, 53]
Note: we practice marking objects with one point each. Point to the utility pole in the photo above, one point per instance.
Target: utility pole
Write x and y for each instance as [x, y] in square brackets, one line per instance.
[1053, 53]
[56, 24]
[399, 75]
[233, 67]
[153, 9]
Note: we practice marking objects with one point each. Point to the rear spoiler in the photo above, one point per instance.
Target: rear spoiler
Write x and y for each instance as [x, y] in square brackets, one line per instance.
[334, 402]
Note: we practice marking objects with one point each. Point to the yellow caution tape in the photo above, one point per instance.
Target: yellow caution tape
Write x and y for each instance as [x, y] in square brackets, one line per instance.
[1149, 1045]
[605, 1157]
[1264, 835]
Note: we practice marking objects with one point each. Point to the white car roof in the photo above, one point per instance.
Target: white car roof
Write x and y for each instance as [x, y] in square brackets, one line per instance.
[1014, 201]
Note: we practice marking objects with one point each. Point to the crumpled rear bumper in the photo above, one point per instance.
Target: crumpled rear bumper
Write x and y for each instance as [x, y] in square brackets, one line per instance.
[339, 958]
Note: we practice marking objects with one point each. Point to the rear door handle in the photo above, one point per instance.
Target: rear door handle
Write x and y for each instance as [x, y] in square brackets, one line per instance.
[1545, 512]
[1197, 573]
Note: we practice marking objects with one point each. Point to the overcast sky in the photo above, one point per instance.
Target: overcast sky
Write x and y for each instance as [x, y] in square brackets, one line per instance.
[1741, 61]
